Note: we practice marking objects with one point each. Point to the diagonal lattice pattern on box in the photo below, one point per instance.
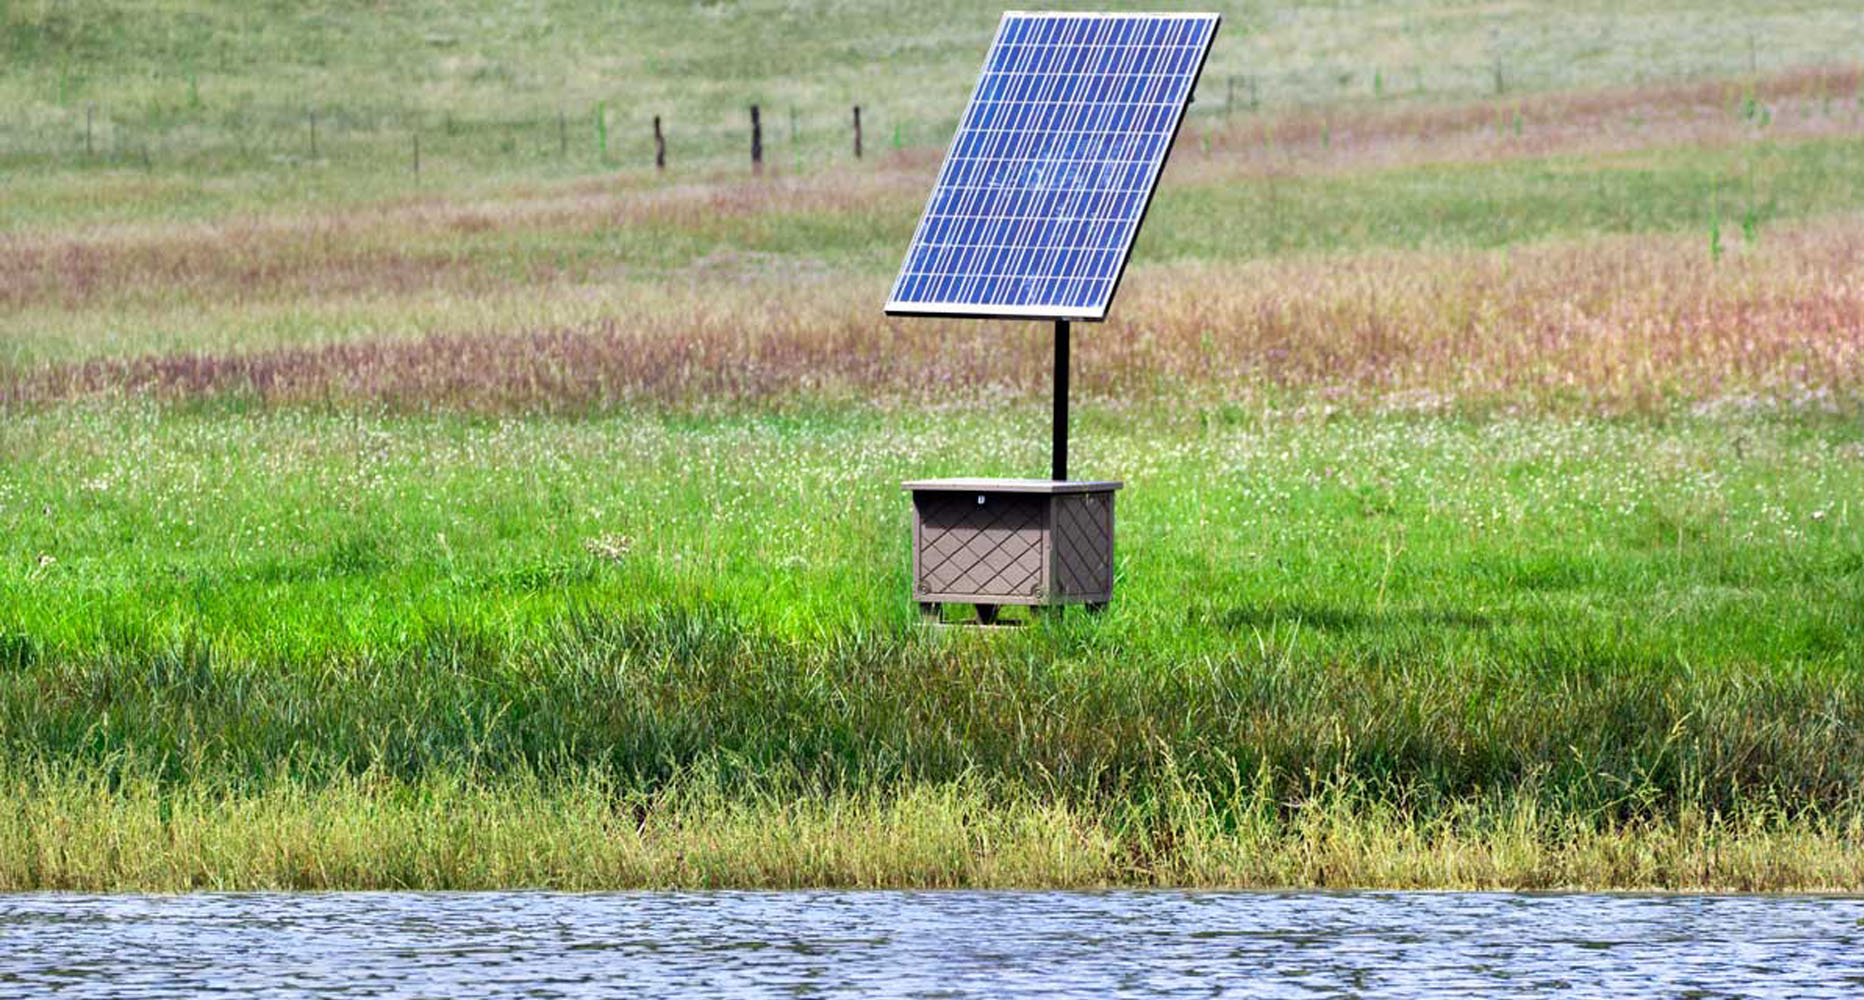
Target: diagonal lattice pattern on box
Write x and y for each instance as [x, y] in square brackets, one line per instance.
[1012, 541]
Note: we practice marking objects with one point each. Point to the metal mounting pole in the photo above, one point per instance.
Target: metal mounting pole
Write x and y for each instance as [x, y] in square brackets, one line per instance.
[1059, 441]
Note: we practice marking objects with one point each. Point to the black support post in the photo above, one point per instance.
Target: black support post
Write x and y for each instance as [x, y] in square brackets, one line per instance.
[757, 141]
[1059, 441]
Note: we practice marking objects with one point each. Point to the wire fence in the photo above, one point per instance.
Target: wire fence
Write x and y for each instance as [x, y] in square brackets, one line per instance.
[607, 134]
[97, 134]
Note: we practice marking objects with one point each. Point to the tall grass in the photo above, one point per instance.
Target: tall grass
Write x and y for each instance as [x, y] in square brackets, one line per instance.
[1581, 730]
[75, 830]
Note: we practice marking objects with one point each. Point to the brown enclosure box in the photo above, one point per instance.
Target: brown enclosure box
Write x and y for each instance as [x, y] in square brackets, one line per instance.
[1012, 541]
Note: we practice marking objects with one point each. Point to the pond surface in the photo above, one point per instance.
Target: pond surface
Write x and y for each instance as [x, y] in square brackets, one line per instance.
[938, 944]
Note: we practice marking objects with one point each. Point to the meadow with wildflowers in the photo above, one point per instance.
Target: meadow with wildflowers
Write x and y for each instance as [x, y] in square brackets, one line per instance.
[1495, 506]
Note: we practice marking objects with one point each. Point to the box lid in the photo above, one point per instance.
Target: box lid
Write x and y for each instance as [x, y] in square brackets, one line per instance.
[1012, 485]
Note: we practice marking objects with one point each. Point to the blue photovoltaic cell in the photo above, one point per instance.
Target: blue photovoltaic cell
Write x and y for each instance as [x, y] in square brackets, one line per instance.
[1056, 156]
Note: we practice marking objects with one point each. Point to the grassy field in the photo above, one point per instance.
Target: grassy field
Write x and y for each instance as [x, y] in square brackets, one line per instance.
[553, 88]
[1495, 508]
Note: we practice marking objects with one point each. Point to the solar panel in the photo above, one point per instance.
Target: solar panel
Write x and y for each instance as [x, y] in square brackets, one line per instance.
[1055, 160]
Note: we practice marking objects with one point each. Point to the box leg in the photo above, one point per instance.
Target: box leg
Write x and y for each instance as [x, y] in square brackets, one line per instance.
[929, 611]
[986, 614]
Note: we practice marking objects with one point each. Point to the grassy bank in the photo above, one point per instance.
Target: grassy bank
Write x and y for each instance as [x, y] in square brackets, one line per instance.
[1496, 487]
[1628, 632]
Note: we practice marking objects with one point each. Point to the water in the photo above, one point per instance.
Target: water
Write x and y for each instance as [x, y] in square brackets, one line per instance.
[956, 944]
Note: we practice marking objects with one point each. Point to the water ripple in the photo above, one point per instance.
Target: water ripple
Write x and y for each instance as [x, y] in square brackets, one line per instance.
[931, 944]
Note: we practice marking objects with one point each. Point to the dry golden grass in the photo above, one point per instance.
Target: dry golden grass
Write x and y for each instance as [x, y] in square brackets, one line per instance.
[76, 833]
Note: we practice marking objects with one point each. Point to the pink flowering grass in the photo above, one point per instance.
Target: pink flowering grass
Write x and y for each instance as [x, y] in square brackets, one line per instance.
[1619, 325]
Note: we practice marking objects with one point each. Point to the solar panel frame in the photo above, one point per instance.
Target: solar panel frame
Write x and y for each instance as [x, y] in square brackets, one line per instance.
[1093, 312]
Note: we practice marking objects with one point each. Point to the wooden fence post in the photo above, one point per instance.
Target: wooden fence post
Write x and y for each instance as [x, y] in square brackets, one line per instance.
[757, 141]
[660, 146]
[857, 131]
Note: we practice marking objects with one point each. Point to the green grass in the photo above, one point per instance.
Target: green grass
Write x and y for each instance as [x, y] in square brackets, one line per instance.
[1507, 203]
[1386, 614]
[1447, 607]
